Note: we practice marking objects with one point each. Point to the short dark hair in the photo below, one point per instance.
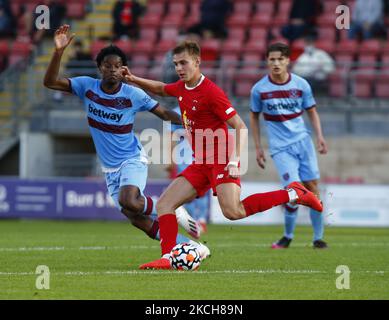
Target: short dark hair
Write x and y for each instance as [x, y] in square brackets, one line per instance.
[279, 46]
[192, 47]
[111, 50]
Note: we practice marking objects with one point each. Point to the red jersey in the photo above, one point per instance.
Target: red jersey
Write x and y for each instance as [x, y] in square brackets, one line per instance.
[205, 109]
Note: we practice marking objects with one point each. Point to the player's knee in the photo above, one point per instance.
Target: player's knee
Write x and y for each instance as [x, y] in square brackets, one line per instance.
[164, 206]
[131, 204]
[231, 213]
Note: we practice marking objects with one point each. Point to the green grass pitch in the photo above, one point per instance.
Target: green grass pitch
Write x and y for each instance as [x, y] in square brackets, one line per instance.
[99, 260]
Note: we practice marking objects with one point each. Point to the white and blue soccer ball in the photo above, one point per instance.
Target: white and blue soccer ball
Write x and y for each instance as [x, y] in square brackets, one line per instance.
[185, 256]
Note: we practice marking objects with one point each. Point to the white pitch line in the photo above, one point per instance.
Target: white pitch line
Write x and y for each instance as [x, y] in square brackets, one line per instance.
[260, 245]
[156, 272]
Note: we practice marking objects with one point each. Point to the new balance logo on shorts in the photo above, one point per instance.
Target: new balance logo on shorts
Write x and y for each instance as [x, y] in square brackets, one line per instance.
[220, 176]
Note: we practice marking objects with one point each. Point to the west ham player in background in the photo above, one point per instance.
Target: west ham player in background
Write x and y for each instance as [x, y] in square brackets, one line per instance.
[111, 107]
[282, 97]
[204, 106]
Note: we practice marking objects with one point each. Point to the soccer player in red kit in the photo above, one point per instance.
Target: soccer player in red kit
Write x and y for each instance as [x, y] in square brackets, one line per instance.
[206, 110]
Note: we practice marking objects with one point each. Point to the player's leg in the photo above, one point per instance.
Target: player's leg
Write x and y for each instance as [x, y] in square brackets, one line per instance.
[309, 173]
[182, 190]
[287, 165]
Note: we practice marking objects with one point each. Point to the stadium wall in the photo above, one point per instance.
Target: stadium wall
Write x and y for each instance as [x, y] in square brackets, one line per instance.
[87, 199]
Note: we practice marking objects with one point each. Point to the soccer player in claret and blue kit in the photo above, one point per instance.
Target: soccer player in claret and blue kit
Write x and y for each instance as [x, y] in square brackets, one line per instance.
[111, 106]
[206, 114]
[282, 97]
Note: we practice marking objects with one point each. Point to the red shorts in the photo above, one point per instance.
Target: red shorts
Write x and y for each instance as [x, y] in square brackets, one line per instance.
[205, 176]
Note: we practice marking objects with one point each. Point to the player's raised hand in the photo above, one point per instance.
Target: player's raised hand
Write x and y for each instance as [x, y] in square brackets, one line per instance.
[62, 38]
[126, 73]
[261, 159]
[322, 145]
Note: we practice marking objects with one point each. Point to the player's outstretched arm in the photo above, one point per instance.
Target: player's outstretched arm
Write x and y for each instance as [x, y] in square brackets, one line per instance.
[256, 133]
[153, 86]
[167, 115]
[61, 40]
[315, 121]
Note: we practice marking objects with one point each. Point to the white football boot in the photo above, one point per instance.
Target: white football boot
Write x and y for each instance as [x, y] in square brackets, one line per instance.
[188, 223]
[202, 248]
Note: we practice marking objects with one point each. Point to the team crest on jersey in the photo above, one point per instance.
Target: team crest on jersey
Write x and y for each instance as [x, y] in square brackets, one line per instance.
[286, 176]
[294, 93]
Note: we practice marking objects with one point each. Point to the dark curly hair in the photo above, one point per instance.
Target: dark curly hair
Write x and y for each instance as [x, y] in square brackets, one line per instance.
[111, 50]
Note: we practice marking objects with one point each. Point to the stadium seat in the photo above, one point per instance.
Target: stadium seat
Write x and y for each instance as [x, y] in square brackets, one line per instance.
[245, 79]
[172, 20]
[155, 72]
[265, 6]
[255, 46]
[232, 46]
[143, 46]
[327, 33]
[382, 84]
[210, 49]
[20, 50]
[370, 47]
[238, 19]
[150, 20]
[155, 6]
[244, 6]
[75, 10]
[337, 84]
[347, 46]
[327, 46]
[177, 7]
[237, 33]
[169, 33]
[363, 81]
[385, 62]
[229, 61]
[284, 7]
[4, 48]
[326, 20]
[164, 46]
[261, 19]
[125, 45]
[149, 34]
[329, 6]
[367, 61]
[96, 46]
[140, 59]
[258, 34]
[139, 71]
[251, 60]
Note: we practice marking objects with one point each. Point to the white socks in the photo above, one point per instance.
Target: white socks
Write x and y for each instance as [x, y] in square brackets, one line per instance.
[292, 195]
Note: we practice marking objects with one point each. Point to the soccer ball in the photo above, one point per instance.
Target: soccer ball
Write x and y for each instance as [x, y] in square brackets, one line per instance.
[185, 256]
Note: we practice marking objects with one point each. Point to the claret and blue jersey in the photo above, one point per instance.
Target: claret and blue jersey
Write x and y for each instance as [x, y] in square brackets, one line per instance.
[111, 118]
[282, 106]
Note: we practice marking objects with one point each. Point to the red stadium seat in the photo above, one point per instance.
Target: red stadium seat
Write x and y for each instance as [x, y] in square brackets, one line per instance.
[258, 34]
[261, 19]
[371, 46]
[327, 33]
[177, 8]
[96, 46]
[139, 71]
[172, 20]
[164, 46]
[4, 48]
[367, 62]
[245, 80]
[236, 33]
[238, 19]
[385, 62]
[210, 49]
[143, 46]
[152, 20]
[75, 10]
[229, 61]
[363, 83]
[337, 84]
[149, 34]
[155, 6]
[347, 46]
[327, 46]
[382, 85]
[155, 72]
[140, 59]
[169, 33]
[284, 7]
[232, 46]
[243, 6]
[20, 50]
[264, 6]
[255, 46]
[251, 60]
[125, 45]
[329, 6]
[326, 20]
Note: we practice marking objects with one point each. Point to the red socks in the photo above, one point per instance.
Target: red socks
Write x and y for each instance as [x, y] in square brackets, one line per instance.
[168, 230]
[263, 201]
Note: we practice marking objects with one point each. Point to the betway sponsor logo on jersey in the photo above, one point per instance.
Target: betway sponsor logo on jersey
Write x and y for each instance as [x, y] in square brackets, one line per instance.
[290, 106]
[104, 114]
